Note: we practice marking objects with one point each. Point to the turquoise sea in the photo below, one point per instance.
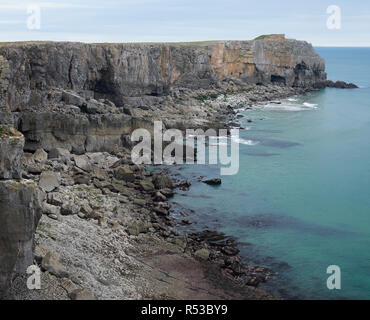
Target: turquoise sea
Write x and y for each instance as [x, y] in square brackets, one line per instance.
[301, 199]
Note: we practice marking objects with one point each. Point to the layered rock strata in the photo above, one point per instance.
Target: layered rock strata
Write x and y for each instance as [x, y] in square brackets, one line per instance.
[88, 97]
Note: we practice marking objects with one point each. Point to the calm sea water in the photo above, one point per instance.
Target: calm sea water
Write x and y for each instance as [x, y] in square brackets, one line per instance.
[301, 199]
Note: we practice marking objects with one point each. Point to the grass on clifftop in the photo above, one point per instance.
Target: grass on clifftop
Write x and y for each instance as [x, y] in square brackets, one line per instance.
[262, 37]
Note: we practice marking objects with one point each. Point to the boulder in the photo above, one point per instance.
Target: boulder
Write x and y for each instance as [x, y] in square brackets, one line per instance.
[202, 254]
[49, 180]
[213, 182]
[124, 173]
[50, 209]
[51, 262]
[82, 294]
[68, 285]
[55, 198]
[162, 182]
[69, 208]
[138, 227]
[83, 162]
[59, 153]
[140, 202]
[100, 174]
[120, 188]
[11, 150]
[230, 251]
[160, 197]
[168, 193]
[81, 179]
[40, 155]
[72, 98]
[146, 185]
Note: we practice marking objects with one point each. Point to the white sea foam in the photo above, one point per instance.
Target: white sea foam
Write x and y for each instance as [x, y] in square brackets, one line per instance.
[224, 141]
[310, 105]
[291, 106]
[243, 141]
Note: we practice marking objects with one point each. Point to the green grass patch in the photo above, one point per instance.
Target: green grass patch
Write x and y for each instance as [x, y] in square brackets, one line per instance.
[262, 37]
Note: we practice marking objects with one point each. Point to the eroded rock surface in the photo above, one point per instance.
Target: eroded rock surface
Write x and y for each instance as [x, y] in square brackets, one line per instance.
[119, 71]
[11, 150]
[90, 97]
[20, 209]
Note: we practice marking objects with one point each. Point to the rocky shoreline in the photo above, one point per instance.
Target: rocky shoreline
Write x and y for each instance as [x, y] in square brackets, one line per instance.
[104, 195]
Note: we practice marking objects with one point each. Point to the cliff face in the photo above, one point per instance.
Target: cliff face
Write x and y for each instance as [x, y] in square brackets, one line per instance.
[20, 209]
[117, 71]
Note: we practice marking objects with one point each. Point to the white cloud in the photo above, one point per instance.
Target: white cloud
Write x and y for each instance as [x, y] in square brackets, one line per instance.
[10, 5]
[11, 22]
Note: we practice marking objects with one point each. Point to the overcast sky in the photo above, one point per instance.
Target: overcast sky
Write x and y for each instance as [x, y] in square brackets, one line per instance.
[186, 20]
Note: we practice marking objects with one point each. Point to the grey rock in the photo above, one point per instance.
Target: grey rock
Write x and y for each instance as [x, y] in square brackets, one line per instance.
[146, 185]
[72, 98]
[20, 212]
[82, 294]
[68, 285]
[51, 262]
[140, 202]
[168, 193]
[11, 150]
[49, 180]
[78, 133]
[124, 173]
[59, 153]
[138, 227]
[162, 182]
[55, 198]
[213, 182]
[82, 162]
[337, 84]
[40, 155]
[81, 179]
[50, 209]
[53, 216]
[69, 208]
[202, 254]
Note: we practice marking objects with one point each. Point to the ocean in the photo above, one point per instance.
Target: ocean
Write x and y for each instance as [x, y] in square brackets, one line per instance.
[301, 199]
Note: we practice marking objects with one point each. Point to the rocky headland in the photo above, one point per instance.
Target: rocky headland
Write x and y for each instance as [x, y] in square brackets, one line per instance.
[71, 200]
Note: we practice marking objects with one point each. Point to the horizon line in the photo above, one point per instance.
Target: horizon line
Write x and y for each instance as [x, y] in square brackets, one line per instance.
[179, 42]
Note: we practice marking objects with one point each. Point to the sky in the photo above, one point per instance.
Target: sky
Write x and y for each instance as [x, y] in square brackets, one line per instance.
[184, 20]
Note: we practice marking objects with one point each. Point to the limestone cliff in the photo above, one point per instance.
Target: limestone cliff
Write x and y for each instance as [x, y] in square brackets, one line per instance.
[20, 209]
[117, 71]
